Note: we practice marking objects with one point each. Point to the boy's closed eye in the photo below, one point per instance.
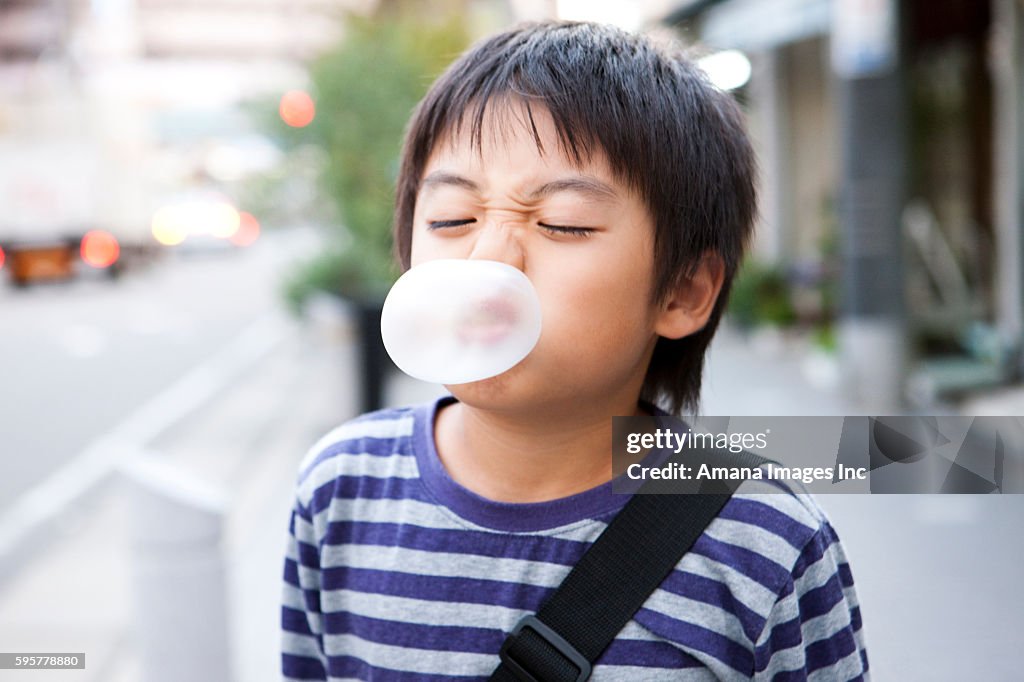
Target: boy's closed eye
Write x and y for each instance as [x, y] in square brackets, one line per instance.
[569, 230]
[575, 231]
[440, 224]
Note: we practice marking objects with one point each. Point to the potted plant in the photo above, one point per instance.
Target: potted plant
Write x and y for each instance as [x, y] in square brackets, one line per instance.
[761, 295]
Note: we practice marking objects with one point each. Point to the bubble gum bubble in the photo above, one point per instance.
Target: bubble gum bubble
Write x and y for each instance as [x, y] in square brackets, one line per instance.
[453, 321]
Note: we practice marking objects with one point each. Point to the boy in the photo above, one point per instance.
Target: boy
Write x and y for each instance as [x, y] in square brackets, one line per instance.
[616, 178]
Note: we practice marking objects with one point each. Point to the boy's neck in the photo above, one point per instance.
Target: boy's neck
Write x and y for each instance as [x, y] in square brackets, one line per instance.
[515, 458]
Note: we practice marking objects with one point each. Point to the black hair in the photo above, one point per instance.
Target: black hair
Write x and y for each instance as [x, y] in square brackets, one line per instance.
[666, 131]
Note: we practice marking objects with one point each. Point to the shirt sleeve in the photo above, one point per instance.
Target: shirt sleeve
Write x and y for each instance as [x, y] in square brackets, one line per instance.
[814, 629]
[302, 651]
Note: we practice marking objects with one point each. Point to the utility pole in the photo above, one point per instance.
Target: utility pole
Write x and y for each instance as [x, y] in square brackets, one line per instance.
[872, 108]
[1008, 49]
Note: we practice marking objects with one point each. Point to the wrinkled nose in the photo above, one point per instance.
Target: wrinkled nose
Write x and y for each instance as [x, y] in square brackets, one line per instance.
[500, 242]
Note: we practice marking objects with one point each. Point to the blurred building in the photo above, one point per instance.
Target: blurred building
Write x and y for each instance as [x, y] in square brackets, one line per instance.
[155, 29]
[889, 132]
[109, 109]
[162, 53]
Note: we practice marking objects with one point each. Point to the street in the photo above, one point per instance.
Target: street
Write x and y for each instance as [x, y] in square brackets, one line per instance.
[192, 367]
[79, 357]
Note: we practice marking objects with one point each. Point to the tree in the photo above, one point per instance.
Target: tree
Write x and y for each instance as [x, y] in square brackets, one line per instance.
[365, 91]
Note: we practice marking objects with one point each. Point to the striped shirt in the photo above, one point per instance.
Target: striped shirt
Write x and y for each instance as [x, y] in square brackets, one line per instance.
[394, 571]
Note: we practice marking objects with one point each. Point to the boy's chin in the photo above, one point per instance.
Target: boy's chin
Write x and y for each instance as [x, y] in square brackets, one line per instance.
[506, 391]
[496, 387]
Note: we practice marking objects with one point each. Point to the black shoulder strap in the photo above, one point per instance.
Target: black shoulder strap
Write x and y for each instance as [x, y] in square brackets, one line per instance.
[633, 555]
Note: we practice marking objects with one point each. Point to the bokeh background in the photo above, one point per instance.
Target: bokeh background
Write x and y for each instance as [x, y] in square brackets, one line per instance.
[194, 210]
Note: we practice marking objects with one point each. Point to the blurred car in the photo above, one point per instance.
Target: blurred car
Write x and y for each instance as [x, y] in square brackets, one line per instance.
[68, 210]
[203, 220]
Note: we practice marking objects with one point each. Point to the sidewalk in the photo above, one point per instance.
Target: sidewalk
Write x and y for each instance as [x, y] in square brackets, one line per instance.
[76, 593]
[768, 376]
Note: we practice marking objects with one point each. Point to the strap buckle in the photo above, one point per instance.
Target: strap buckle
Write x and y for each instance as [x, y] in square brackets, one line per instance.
[552, 639]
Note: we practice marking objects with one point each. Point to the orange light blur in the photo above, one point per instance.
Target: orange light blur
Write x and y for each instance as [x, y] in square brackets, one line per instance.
[297, 108]
[248, 229]
[3, 257]
[100, 249]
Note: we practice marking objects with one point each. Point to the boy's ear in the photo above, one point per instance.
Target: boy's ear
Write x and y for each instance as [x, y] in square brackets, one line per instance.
[687, 308]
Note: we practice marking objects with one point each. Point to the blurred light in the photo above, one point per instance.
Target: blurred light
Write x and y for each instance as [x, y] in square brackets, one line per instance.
[174, 223]
[167, 229]
[223, 220]
[193, 217]
[728, 70]
[297, 108]
[100, 249]
[248, 229]
[3, 257]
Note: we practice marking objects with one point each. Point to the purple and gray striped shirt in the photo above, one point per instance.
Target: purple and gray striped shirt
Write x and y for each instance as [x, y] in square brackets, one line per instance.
[394, 571]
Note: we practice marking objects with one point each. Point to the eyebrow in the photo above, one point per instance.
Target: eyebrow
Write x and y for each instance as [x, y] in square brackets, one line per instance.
[581, 184]
[441, 178]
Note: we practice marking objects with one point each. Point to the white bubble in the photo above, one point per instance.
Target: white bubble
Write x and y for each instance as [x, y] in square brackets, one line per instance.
[453, 321]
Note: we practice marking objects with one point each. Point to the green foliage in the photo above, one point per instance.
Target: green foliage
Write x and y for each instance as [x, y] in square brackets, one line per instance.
[824, 337]
[365, 91]
[761, 295]
[337, 270]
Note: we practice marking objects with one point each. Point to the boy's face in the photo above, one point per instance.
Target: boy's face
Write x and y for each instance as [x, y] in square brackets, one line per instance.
[584, 240]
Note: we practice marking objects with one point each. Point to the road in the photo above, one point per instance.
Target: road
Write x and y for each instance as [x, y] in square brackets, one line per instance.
[77, 358]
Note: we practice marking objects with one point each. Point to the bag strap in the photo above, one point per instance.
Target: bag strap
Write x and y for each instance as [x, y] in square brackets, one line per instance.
[633, 555]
